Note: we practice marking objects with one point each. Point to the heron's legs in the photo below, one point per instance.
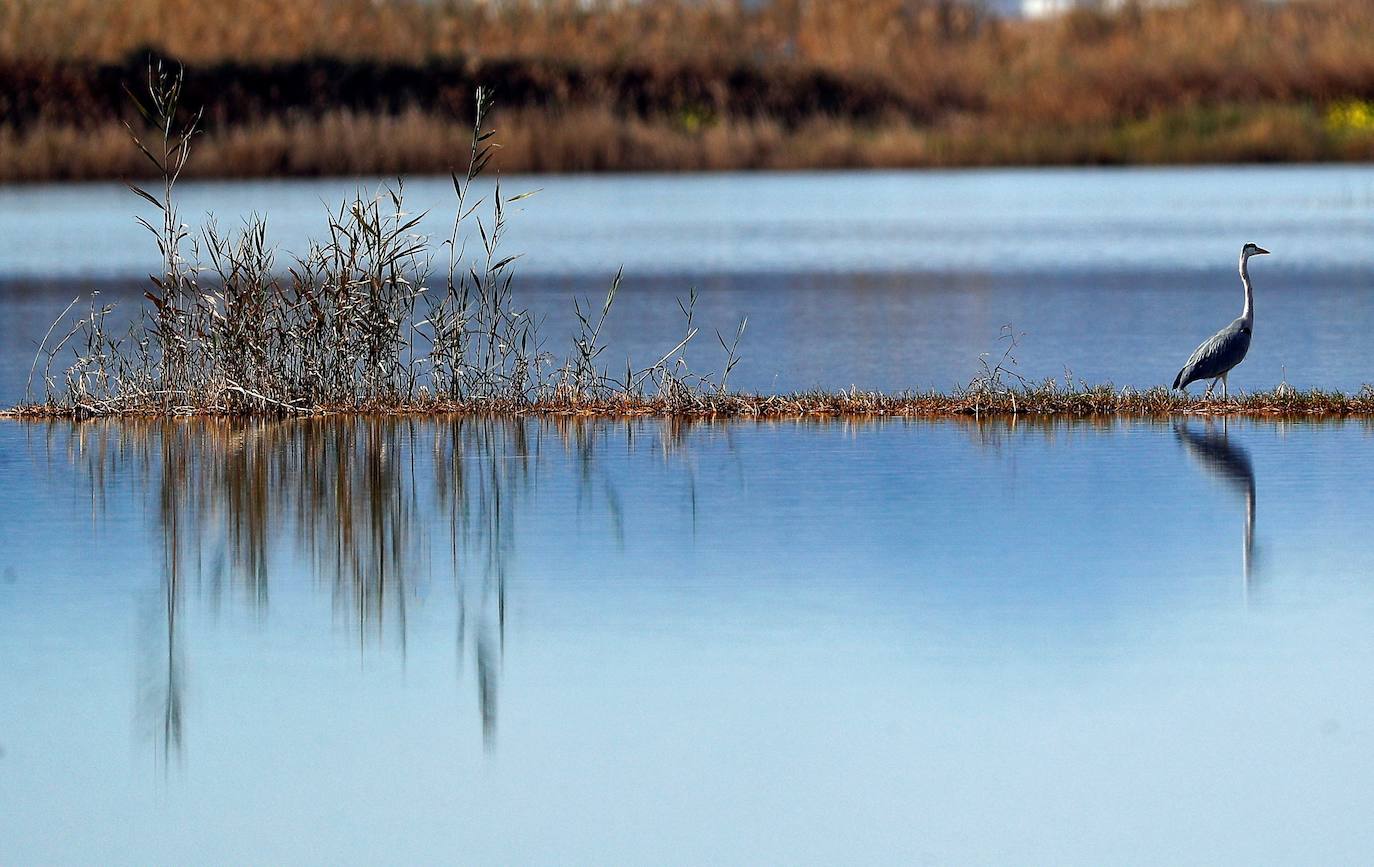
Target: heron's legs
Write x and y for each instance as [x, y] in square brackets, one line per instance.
[1225, 392]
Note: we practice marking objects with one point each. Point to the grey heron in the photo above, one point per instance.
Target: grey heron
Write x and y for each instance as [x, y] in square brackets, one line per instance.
[1224, 350]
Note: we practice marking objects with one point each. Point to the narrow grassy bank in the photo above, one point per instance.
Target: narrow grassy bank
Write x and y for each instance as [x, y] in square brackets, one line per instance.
[1044, 401]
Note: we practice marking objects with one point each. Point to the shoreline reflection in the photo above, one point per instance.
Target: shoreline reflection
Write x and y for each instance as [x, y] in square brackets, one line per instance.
[361, 506]
[386, 522]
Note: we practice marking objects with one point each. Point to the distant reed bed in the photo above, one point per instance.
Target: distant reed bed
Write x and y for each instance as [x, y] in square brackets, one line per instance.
[339, 86]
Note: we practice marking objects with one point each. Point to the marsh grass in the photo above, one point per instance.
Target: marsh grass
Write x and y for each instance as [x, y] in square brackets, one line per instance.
[1048, 399]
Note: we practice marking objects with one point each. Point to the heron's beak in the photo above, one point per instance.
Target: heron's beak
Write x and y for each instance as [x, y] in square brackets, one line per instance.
[1260, 251]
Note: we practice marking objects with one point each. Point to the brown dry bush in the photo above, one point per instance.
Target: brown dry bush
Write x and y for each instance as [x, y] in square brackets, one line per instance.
[686, 85]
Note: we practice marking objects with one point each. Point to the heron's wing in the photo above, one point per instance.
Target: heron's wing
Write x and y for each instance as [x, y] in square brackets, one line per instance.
[1218, 354]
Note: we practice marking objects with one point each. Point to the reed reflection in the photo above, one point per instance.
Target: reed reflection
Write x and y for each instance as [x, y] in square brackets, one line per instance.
[373, 511]
[1229, 463]
[161, 682]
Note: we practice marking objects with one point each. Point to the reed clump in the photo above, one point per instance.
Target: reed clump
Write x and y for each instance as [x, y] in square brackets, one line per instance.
[373, 318]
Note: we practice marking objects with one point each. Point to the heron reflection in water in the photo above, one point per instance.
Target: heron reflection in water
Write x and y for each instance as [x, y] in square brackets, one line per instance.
[1230, 463]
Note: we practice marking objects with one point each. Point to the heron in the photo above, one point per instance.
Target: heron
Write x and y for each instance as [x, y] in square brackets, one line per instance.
[1224, 350]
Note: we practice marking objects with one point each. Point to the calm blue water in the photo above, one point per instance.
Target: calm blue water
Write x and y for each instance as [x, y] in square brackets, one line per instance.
[525, 642]
[560, 642]
[963, 221]
[886, 280]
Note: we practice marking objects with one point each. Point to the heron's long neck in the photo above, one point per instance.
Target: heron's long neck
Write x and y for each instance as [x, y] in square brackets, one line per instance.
[1249, 313]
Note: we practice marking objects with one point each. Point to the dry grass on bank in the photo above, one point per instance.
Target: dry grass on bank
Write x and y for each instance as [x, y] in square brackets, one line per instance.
[343, 143]
[596, 140]
[1048, 400]
[670, 84]
[1077, 66]
[837, 32]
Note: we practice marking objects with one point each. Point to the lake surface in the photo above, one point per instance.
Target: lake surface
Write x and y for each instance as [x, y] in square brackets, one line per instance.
[352, 642]
[539, 641]
[886, 280]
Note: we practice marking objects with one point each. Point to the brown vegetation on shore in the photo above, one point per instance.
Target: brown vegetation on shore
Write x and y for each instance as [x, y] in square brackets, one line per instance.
[353, 86]
[1047, 400]
[596, 140]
